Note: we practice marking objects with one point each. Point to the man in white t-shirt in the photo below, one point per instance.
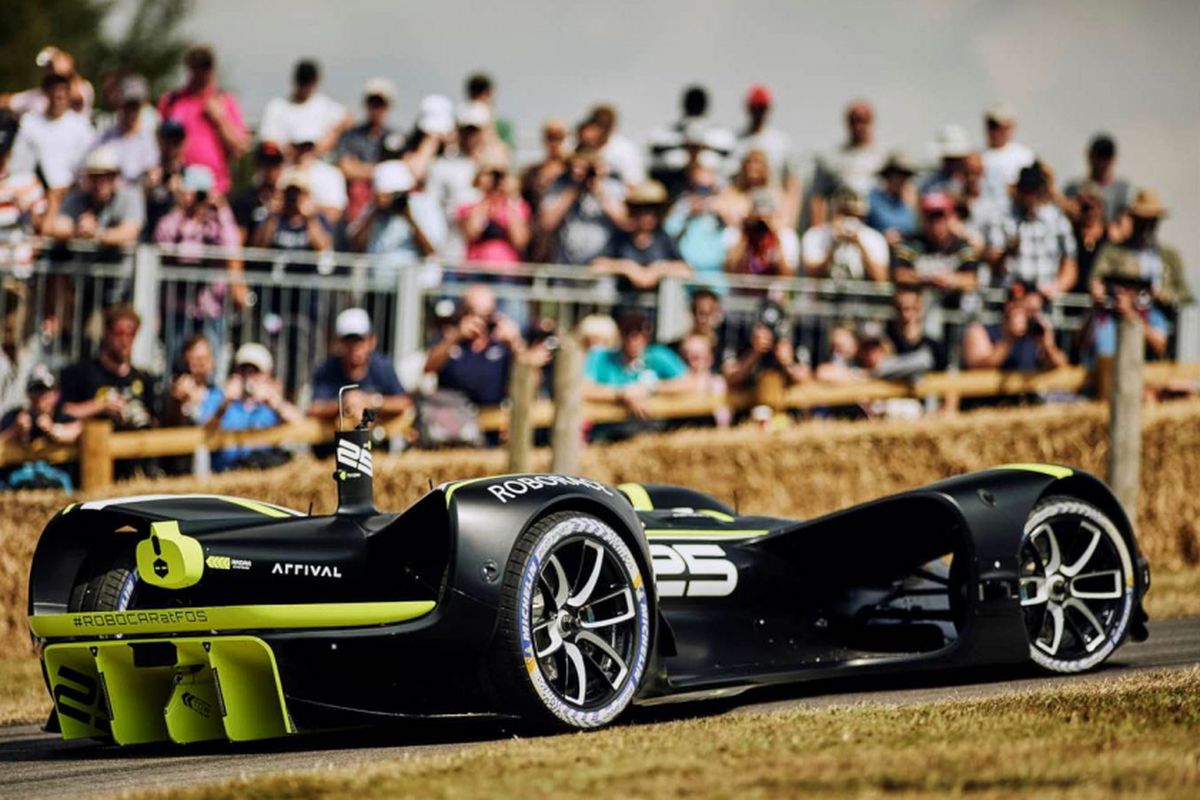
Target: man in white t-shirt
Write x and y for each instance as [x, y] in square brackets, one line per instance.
[855, 165]
[307, 110]
[845, 247]
[55, 140]
[1003, 158]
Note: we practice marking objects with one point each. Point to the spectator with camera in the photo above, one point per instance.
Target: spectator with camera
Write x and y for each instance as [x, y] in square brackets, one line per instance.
[251, 205]
[403, 224]
[1141, 254]
[538, 177]
[476, 354]
[215, 131]
[109, 386]
[132, 135]
[845, 248]
[193, 398]
[40, 418]
[356, 362]
[763, 245]
[327, 185]
[1023, 341]
[1033, 243]
[295, 224]
[582, 210]
[1123, 294]
[101, 209]
[201, 219]
[770, 361]
[619, 154]
[697, 224]
[642, 256]
[496, 225]
[1091, 232]
[252, 400]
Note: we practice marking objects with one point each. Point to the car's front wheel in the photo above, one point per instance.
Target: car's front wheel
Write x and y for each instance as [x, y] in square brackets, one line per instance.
[574, 635]
[1077, 585]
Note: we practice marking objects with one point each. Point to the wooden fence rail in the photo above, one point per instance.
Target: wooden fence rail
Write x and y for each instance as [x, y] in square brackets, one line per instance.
[100, 446]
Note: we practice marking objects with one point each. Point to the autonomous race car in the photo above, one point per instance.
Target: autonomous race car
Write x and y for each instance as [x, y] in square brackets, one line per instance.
[554, 599]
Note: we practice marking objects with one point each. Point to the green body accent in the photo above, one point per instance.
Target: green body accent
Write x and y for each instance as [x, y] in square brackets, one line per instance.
[676, 533]
[169, 558]
[261, 508]
[226, 618]
[639, 498]
[1046, 469]
[721, 516]
[213, 688]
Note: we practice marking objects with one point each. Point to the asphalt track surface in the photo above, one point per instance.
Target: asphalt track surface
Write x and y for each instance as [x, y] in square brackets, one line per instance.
[39, 765]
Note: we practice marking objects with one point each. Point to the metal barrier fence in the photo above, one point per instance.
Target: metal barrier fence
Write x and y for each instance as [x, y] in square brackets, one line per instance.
[291, 299]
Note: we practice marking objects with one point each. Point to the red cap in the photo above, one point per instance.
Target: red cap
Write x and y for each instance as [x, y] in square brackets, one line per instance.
[937, 201]
[759, 96]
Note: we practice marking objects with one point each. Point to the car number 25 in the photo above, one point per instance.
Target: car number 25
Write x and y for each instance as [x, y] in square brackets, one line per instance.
[693, 570]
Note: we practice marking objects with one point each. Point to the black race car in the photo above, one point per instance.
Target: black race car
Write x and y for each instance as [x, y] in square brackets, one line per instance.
[554, 598]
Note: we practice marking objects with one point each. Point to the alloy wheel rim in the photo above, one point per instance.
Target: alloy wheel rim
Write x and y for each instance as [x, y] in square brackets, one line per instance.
[583, 617]
[1072, 588]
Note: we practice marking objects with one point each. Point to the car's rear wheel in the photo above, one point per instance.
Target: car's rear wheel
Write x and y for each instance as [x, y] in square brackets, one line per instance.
[1077, 585]
[574, 635]
[107, 582]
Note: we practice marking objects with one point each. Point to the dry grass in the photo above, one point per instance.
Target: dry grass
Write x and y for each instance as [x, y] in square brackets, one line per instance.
[1174, 595]
[809, 470]
[22, 692]
[1133, 737]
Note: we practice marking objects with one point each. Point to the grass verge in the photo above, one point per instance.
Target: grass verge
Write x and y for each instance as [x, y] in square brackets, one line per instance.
[1134, 736]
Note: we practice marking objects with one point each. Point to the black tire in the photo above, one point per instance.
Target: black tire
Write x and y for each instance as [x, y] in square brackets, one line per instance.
[533, 659]
[1077, 584]
[106, 583]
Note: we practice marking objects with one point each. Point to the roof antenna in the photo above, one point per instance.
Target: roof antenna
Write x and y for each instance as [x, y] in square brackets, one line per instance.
[430, 483]
[310, 506]
[737, 507]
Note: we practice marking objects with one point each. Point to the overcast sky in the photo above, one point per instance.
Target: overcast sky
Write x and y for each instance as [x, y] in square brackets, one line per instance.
[1068, 68]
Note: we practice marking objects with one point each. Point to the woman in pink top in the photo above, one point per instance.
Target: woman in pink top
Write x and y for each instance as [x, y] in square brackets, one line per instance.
[496, 226]
[212, 119]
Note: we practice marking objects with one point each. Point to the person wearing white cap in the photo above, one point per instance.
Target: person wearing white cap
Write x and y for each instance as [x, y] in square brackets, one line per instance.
[326, 182]
[403, 225]
[101, 209]
[253, 400]
[297, 225]
[305, 113]
[953, 147]
[360, 148]
[356, 362]
[1003, 158]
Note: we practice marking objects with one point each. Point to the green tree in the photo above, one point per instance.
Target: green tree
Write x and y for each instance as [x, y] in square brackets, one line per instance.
[151, 42]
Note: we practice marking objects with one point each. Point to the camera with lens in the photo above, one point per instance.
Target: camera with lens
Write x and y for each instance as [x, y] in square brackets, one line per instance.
[399, 203]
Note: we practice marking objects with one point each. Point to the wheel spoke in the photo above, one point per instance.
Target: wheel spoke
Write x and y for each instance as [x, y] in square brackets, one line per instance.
[581, 596]
[575, 659]
[1055, 560]
[556, 640]
[561, 587]
[1114, 593]
[1055, 613]
[1086, 613]
[1041, 590]
[606, 648]
[1074, 569]
[625, 615]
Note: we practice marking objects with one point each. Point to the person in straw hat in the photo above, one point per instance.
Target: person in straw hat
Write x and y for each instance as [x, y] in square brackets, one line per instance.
[1158, 266]
[645, 254]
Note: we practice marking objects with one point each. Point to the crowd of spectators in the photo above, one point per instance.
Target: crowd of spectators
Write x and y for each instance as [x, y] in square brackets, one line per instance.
[699, 201]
